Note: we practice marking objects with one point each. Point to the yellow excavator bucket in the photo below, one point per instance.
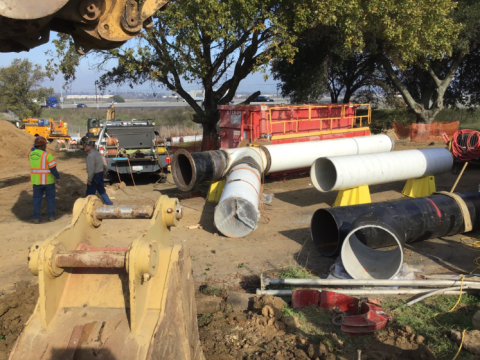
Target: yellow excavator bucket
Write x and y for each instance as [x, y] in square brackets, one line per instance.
[93, 24]
[134, 302]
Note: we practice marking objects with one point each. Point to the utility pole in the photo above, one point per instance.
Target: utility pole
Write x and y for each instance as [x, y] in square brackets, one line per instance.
[96, 98]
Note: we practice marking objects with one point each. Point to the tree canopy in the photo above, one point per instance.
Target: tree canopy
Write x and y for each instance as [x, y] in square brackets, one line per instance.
[449, 81]
[20, 89]
[217, 43]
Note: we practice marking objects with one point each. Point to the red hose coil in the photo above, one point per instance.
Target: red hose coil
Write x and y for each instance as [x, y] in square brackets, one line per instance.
[466, 145]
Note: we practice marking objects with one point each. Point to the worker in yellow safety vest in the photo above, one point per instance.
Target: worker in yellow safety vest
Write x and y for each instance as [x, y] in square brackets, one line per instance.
[43, 174]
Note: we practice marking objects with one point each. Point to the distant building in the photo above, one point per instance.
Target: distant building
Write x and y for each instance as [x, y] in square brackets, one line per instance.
[89, 97]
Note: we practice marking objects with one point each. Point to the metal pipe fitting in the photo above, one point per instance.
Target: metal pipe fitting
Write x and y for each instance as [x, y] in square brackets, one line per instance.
[189, 169]
[124, 212]
[90, 259]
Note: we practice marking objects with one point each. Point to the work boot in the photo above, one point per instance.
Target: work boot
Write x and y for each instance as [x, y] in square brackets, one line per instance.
[36, 221]
[51, 219]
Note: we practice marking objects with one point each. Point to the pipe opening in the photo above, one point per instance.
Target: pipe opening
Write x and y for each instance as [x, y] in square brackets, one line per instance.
[323, 174]
[363, 262]
[325, 232]
[236, 217]
[183, 170]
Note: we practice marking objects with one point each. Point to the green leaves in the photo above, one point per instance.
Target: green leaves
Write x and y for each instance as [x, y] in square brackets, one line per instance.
[20, 89]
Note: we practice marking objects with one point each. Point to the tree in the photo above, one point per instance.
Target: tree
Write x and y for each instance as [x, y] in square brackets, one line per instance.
[322, 65]
[217, 43]
[425, 86]
[118, 99]
[20, 90]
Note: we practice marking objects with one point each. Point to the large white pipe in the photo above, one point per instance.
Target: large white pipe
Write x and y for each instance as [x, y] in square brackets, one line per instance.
[346, 172]
[209, 166]
[302, 154]
[236, 214]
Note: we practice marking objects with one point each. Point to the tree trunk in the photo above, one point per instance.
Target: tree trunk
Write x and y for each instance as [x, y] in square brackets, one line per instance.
[426, 116]
[210, 139]
[333, 97]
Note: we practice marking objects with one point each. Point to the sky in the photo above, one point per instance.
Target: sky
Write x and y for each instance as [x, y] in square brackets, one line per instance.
[86, 76]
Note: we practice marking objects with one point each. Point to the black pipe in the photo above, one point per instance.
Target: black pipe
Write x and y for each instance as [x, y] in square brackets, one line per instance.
[371, 231]
[421, 218]
[189, 169]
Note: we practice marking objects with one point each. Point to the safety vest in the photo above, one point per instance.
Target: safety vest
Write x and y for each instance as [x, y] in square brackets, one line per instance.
[40, 164]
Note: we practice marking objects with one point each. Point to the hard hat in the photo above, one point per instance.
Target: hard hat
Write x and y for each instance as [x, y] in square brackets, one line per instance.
[40, 141]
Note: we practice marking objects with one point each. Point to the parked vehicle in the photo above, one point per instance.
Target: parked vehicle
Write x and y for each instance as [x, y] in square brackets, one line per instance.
[133, 147]
[262, 98]
[81, 106]
[50, 103]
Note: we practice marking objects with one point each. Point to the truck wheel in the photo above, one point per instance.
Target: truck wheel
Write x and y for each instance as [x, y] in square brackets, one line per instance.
[112, 177]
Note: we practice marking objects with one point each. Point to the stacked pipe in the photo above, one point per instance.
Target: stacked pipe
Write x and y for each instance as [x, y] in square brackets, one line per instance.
[346, 172]
[244, 167]
[358, 231]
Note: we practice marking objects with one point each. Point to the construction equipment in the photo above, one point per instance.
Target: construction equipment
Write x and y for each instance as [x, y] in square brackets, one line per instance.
[134, 302]
[94, 125]
[93, 24]
[54, 131]
[271, 125]
[133, 147]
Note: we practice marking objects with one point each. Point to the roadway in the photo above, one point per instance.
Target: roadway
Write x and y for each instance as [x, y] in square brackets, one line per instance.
[150, 104]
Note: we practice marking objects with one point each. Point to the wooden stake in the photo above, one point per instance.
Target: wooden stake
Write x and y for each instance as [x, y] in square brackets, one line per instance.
[459, 176]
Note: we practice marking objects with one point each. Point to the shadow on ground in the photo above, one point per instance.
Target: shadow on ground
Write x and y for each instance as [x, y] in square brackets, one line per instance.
[69, 190]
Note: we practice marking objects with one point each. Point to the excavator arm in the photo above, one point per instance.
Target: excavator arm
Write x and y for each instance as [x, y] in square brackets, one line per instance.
[93, 24]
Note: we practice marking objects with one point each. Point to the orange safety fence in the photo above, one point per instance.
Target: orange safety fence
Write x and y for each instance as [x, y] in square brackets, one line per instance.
[426, 132]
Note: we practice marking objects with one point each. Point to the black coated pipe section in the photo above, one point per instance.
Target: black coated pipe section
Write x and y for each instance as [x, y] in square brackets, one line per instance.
[189, 169]
[421, 218]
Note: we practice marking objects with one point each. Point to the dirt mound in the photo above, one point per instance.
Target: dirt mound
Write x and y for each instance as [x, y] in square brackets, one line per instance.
[15, 144]
[15, 310]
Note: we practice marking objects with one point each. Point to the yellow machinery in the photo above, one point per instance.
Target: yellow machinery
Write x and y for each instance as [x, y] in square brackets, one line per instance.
[134, 302]
[49, 129]
[93, 24]
[94, 125]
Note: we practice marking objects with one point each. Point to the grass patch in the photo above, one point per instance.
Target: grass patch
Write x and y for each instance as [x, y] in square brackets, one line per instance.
[296, 272]
[421, 315]
[204, 319]
[210, 291]
[316, 324]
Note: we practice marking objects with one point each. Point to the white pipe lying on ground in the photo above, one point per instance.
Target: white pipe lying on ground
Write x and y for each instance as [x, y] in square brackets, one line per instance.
[346, 172]
[362, 282]
[234, 216]
[378, 292]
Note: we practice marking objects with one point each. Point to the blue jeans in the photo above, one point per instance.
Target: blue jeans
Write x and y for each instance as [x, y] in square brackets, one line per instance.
[38, 191]
[97, 185]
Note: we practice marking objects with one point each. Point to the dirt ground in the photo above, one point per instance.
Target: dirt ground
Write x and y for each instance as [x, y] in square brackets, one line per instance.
[279, 243]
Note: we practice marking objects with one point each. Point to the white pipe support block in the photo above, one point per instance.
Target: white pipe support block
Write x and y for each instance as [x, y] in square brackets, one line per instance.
[347, 172]
[302, 154]
[236, 214]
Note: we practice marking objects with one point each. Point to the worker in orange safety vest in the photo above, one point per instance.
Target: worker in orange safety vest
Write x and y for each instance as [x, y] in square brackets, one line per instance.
[43, 174]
